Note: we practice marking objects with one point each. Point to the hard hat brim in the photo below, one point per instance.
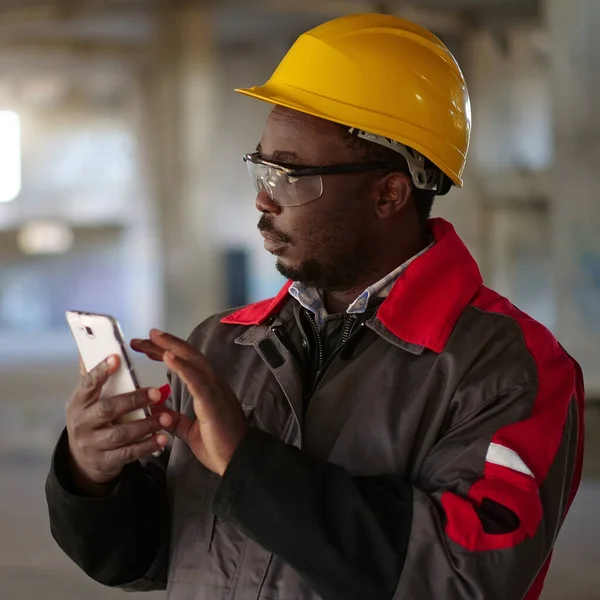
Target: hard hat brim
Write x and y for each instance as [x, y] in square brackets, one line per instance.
[333, 110]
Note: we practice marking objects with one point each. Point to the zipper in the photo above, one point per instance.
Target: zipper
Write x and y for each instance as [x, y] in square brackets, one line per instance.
[347, 334]
[347, 330]
[313, 323]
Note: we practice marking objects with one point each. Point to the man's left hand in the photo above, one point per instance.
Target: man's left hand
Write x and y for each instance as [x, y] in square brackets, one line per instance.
[220, 421]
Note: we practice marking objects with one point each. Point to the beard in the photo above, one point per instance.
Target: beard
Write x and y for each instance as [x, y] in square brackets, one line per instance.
[338, 274]
[336, 271]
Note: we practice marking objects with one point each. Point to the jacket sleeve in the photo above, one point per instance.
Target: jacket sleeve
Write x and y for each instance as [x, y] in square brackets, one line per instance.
[119, 540]
[479, 521]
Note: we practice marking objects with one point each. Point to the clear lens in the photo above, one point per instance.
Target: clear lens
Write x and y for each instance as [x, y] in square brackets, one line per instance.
[282, 188]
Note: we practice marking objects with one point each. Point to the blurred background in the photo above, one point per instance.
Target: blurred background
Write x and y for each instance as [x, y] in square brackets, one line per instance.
[122, 190]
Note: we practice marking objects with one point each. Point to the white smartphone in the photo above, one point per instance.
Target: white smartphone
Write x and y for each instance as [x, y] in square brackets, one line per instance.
[98, 337]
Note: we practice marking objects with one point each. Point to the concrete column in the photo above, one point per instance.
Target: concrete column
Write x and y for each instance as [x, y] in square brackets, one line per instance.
[180, 113]
[529, 100]
[243, 121]
[575, 185]
[143, 247]
[464, 208]
[487, 72]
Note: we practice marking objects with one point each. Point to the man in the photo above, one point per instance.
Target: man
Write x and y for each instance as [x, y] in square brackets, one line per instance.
[387, 426]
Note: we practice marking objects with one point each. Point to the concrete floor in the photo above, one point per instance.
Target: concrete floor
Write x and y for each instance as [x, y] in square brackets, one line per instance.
[31, 566]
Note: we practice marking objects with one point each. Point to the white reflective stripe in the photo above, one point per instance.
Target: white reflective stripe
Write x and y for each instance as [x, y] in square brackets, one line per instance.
[505, 457]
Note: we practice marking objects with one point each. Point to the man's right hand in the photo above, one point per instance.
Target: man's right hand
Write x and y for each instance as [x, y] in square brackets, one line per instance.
[99, 446]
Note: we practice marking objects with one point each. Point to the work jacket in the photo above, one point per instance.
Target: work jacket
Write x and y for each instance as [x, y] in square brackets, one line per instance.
[428, 449]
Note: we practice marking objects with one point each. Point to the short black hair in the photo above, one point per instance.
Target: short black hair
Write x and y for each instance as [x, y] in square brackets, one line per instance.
[370, 152]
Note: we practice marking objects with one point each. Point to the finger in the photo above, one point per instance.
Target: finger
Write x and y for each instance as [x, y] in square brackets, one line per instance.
[128, 454]
[179, 348]
[149, 348]
[204, 405]
[82, 369]
[111, 409]
[179, 426]
[124, 434]
[91, 383]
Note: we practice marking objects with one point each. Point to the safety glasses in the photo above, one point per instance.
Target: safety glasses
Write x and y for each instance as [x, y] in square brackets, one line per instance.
[291, 185]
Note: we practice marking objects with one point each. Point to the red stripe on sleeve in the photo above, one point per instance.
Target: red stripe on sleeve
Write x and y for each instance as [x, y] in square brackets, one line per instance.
[535, 591]
[536, 440]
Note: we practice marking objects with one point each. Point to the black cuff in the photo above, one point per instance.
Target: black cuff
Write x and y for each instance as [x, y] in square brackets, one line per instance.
[254, 451]
[61, 490]
[60, 471]
[311, 514]
[115, 538]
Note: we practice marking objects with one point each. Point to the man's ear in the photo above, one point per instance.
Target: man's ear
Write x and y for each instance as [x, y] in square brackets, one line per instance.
[395, 193]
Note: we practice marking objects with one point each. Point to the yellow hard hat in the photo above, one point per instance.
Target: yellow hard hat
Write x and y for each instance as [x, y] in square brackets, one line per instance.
[383, 76]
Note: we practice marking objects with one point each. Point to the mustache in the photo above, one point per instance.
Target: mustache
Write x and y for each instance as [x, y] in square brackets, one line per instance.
[266, 225]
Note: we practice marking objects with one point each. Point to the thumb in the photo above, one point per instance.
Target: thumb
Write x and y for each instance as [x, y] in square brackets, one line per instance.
[180, 424]
[82, 369]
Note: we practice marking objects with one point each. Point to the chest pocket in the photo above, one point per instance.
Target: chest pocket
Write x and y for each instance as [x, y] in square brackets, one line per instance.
[204, 549]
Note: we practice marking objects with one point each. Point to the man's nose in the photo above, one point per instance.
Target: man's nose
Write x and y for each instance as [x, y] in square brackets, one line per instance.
[265, 204]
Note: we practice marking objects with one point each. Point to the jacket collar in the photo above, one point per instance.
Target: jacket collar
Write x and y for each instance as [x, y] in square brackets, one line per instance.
[425, 302]
[256, 314]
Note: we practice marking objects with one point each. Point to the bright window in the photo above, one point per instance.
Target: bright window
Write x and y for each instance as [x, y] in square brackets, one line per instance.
[10, 155]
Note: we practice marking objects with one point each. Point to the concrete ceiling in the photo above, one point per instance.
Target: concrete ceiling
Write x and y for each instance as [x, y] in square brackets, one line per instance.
[132, 21]
[114, 35]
